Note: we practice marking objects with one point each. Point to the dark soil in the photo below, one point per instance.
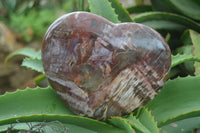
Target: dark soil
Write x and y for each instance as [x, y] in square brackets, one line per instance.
[14, 76]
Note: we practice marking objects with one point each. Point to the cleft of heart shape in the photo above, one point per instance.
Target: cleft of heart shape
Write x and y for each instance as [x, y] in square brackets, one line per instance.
[102, 69]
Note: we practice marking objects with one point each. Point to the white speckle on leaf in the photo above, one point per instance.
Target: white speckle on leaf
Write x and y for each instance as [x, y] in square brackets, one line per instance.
[173, 125]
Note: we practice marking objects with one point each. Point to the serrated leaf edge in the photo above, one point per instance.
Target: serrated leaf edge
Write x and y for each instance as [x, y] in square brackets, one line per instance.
[188, 58]
[27, 58]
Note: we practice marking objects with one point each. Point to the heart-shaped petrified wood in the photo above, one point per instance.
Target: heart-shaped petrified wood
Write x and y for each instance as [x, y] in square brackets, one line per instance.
[101, 69]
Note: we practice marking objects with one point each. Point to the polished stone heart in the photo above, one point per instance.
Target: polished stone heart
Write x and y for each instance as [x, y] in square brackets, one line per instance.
[101, 69]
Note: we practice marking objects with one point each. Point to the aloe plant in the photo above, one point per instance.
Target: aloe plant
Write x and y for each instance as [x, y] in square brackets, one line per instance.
[175, 109]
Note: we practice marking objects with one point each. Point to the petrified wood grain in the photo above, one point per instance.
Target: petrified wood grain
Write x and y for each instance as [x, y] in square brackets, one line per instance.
[101, 69]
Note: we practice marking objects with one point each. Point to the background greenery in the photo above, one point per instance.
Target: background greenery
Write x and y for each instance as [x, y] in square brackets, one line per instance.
[175, 109]
[31, 18]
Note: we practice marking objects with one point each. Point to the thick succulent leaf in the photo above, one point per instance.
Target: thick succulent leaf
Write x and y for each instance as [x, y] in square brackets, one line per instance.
[122, 13]
[193, 39]
[182, 126]
[178, 99]
[186, 49]
[31, 101]
[178, 59]
[146, 118]
[187, 66]
[139, 9]
[39, 78]
[104, 9]
[121, 123]
[34, 64]
[136, 124]
[161, 5]
[80, 4]
[196, 44]
[26, 52]
[43, 105]
[166, 21]
[185, 38]
[189, 8]
[74, 121]
[44, 127]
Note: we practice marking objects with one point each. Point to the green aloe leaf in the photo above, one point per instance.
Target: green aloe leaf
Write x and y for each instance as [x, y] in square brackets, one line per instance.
[146, 118]
[185, 38]
[192, 41]
[104, 9]
[43, 105]
[81, 5]
[39, 78]
[73, 123]
[136, 124]
[189, 8]
[195, 37]
[121, 123]
[179, 99]
[182, 126]
[178, 59]
[139, 9]
[185, 49]
[122, 13]
[187, 66]
[166, 21]
[31, 101]
[161, 5]
[25, 52]
[34, 64]
[34, 61]
[44, 127]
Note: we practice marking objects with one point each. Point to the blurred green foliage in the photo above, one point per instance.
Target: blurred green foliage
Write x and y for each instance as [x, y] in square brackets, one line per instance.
[31, 18]
[32, 23]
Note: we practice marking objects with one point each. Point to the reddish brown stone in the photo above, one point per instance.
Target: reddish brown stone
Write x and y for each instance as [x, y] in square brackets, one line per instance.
[101, 69]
